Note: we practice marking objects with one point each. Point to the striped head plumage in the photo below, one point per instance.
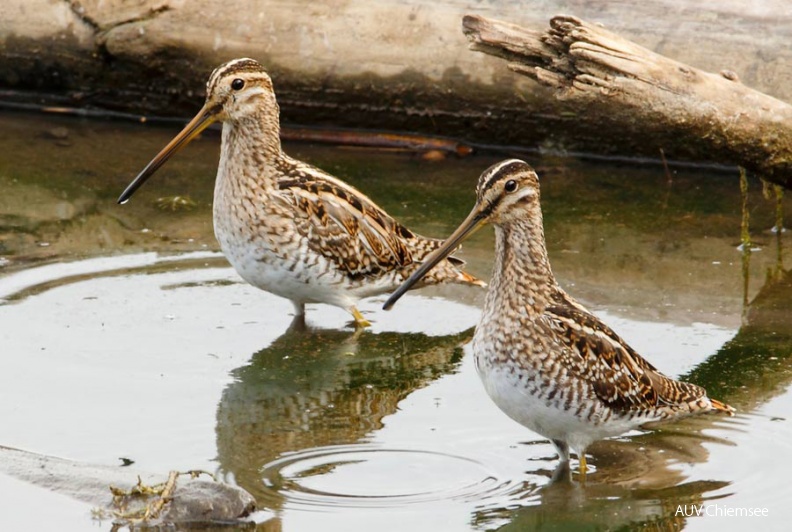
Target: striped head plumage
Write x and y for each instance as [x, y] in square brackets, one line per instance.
[242, 90]
[236, 91]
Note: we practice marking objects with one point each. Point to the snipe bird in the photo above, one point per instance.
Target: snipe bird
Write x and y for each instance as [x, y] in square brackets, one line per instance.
[286, 226]
[544, 359]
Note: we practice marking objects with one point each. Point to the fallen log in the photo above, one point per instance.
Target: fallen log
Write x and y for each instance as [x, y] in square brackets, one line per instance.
[615, 85]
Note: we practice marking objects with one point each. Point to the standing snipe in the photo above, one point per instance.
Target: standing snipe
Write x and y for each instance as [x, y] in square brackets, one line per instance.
[288, 227]
[545, 360]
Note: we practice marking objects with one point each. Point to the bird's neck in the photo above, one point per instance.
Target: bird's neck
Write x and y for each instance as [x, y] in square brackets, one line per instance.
[250, 150]
[522, 281]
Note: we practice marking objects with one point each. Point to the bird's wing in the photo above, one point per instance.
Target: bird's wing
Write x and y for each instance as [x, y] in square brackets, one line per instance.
[344, 225]
[618, 375]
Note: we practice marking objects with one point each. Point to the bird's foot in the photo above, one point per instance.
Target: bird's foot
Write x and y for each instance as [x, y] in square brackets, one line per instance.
[582, 467]
[360, 321]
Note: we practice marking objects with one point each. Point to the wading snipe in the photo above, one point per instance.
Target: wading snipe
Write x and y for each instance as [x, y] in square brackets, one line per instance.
[286, 226]
[545, 360]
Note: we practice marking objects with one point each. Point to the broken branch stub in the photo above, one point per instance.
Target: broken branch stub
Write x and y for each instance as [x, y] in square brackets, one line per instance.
[616, 85]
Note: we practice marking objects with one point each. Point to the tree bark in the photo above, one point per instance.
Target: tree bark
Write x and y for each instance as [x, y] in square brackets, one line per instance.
[618, 86]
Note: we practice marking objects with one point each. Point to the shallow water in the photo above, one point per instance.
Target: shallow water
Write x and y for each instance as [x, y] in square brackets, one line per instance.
[124, 334]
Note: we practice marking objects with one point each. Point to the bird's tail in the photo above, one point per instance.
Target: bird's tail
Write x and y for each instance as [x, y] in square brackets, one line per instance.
[722, 407]
[466, 278]
[463, 277]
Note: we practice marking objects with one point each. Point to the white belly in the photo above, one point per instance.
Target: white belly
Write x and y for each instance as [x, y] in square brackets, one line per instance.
[547, 418]
[294, 271]
[523, 400]
[287, 273]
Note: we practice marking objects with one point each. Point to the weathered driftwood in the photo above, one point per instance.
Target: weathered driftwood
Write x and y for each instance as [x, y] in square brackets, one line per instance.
[611, 83]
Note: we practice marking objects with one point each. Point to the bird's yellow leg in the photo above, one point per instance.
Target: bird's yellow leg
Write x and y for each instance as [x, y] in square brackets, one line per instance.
[360, 321]
[582, 468]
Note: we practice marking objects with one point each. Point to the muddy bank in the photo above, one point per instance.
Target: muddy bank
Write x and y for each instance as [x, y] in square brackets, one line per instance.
[394, 65]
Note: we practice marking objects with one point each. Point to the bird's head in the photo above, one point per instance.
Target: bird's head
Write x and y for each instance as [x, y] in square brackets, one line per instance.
[237, 90]
[507, 191]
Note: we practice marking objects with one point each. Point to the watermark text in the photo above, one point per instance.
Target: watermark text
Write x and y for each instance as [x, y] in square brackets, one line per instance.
[719, 510]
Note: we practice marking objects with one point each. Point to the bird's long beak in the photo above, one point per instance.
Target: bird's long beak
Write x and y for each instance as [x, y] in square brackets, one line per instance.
[472, 223]
[202, 120]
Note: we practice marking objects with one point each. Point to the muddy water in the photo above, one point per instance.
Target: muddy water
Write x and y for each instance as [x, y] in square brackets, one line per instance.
[124, 334]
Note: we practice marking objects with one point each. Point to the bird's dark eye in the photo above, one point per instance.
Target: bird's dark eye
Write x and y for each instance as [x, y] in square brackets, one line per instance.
[237, 84]
[510, 186]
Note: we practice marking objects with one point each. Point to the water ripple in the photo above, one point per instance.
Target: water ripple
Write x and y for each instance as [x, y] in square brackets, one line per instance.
[371, 476]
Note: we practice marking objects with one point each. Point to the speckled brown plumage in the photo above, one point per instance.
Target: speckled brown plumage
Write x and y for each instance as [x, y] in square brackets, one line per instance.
[348, 228]
[286, 226]
[544, 359]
